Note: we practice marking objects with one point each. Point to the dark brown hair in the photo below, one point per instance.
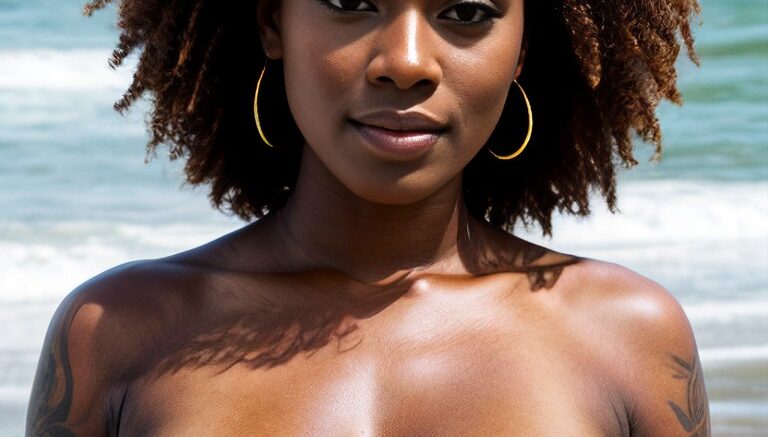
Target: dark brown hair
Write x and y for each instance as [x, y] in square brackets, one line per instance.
[595, 73]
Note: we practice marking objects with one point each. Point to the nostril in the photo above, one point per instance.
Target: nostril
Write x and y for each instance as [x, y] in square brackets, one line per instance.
[420, 82]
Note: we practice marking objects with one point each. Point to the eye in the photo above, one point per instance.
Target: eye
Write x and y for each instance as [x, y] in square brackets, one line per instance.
[346, 6]
[467, 12]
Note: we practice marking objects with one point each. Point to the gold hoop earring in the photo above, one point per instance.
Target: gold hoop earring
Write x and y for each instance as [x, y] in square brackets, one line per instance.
[530, 128]
[256, 105]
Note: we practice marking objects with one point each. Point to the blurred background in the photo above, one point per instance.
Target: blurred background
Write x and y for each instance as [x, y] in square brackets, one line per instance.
[76, 196]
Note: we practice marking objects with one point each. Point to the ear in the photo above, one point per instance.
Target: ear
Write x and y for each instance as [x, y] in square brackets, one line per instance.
[268, 22]
[521, 58]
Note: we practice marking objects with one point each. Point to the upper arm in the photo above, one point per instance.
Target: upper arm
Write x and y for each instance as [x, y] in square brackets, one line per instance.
[662, 373]
[70, 386]
[101, 336]
[86, 355]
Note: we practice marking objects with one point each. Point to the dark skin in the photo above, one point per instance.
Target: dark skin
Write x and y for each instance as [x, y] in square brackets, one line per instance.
[372, 303]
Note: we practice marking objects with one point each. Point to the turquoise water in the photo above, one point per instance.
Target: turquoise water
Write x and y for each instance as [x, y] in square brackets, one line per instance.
[76, 196]
[722, 134]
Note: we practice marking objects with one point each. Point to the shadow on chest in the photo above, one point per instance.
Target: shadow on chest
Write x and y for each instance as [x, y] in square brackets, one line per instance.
[476, 382]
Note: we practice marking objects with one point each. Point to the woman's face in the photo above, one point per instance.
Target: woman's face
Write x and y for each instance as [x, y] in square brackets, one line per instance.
[452, 60]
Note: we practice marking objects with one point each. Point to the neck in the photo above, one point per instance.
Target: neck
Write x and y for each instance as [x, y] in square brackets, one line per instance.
[324, 225]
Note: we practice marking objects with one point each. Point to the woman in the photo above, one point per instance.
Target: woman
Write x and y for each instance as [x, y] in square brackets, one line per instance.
[386, 148]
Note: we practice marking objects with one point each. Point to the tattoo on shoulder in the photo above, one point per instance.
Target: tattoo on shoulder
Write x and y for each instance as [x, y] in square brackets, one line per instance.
[51, 398]
[693, 415]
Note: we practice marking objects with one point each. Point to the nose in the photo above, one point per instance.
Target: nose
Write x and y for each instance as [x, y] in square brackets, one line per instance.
[405, 53]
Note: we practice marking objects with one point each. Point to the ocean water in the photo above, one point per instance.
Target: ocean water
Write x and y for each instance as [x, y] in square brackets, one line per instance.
[77, 198]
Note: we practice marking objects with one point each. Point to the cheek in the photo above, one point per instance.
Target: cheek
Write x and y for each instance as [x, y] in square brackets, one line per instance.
[318, 76]
[307, 90]
[481, 91]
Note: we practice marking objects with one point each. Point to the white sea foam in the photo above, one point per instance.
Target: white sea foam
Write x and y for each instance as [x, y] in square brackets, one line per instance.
[739, 409]
[14, 394]
[734, 354]
[43, 270]
[725, 312]
[668, 212]
[61, 70]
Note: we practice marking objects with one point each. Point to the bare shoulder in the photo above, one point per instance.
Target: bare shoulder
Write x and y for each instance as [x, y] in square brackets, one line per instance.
[635, 307]
[116, 325]
[96, 338]
[647, 343]
[618, 291]
[628, 330]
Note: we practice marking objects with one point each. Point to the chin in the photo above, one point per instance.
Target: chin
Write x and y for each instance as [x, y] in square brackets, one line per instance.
[406, 191]
[381, 182]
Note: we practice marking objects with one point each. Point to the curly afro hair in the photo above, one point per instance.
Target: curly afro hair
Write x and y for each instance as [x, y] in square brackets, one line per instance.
[595, 72]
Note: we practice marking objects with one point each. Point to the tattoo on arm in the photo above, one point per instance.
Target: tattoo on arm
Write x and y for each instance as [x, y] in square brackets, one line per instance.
[694, 414]
[51, 399]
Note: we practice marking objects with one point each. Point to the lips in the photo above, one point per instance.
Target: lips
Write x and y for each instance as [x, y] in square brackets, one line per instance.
[411, 121]
[399, 135]
[397, 144]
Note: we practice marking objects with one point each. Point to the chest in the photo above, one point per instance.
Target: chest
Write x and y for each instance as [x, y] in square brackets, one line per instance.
[518, 382]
